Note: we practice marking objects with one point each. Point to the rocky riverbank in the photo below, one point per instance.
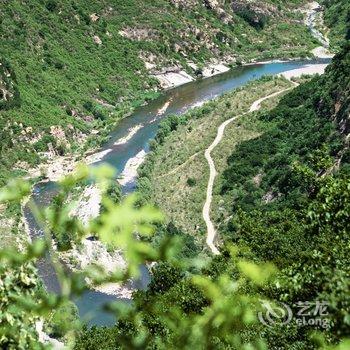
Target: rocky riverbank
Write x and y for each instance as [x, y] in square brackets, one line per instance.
[314, 21]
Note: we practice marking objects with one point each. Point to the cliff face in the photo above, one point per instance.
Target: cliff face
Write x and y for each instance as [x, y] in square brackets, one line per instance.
[255, 13]
[337, 17]
[333, 100]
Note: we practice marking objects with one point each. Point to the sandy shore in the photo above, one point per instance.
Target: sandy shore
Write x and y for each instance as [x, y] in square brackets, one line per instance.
[307, 70]
[96, 157]
[173, 79]
[214, 69]
[59, 166]
[130, 171]
[199, 104]
[162, 110]
[131, 132]
[170, 80]
[322, 52]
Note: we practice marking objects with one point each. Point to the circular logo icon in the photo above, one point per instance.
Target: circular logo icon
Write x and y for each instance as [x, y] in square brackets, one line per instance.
[276, 313]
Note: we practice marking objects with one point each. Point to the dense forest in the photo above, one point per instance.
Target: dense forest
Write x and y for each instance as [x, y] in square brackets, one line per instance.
[297, 215]
[337, 16]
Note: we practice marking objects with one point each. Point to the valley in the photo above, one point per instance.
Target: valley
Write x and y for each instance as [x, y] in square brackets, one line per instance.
[170, 169]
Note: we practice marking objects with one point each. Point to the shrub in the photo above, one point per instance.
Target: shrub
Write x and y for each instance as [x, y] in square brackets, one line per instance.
[191, 182]
[51, 5]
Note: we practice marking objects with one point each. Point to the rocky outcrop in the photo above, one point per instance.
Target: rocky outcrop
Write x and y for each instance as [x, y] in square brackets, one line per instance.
[256, 13]
[338, 92]
[211, 4]
[216, 6]
[172, 77]
[91, 252]
[138, 34]
[182, 4]
[97, 40]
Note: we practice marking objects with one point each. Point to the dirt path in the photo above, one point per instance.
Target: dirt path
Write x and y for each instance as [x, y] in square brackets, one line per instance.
[175, 170]
[211, 232]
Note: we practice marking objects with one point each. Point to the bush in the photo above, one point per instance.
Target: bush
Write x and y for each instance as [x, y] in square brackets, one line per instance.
[51, 5]
[164, 276]
[65, 319]
[191, 182]
[42, 144]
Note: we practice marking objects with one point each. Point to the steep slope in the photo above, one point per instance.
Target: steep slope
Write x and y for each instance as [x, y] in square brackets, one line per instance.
[287, 195]
[182, 194]
[337, 17]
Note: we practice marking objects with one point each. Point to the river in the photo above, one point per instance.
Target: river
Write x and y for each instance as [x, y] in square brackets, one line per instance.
[137, 130]
[311, 20]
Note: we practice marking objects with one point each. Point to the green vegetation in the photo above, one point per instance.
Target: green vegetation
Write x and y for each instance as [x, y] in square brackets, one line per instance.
[80, 65]
[281, 201]
[283, 198]
[284, 217]
[188, 305]
[337, 17]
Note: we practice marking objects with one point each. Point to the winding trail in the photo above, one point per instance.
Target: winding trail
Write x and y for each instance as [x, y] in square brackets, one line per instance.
[211, 232]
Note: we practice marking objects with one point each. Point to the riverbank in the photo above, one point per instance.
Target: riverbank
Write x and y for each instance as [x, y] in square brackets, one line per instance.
[92, 252]
[176, 76]
[173, 80]
[310, 69]
[59, 166]
[182, 202]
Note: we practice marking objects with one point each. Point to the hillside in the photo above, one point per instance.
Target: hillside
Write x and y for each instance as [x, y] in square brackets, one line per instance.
[283, 198]
[337, 17]
[72, 67]
[176, 173]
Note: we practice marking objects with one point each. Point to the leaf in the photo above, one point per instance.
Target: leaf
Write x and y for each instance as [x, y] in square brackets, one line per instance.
[15, 191]
[257, 274]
